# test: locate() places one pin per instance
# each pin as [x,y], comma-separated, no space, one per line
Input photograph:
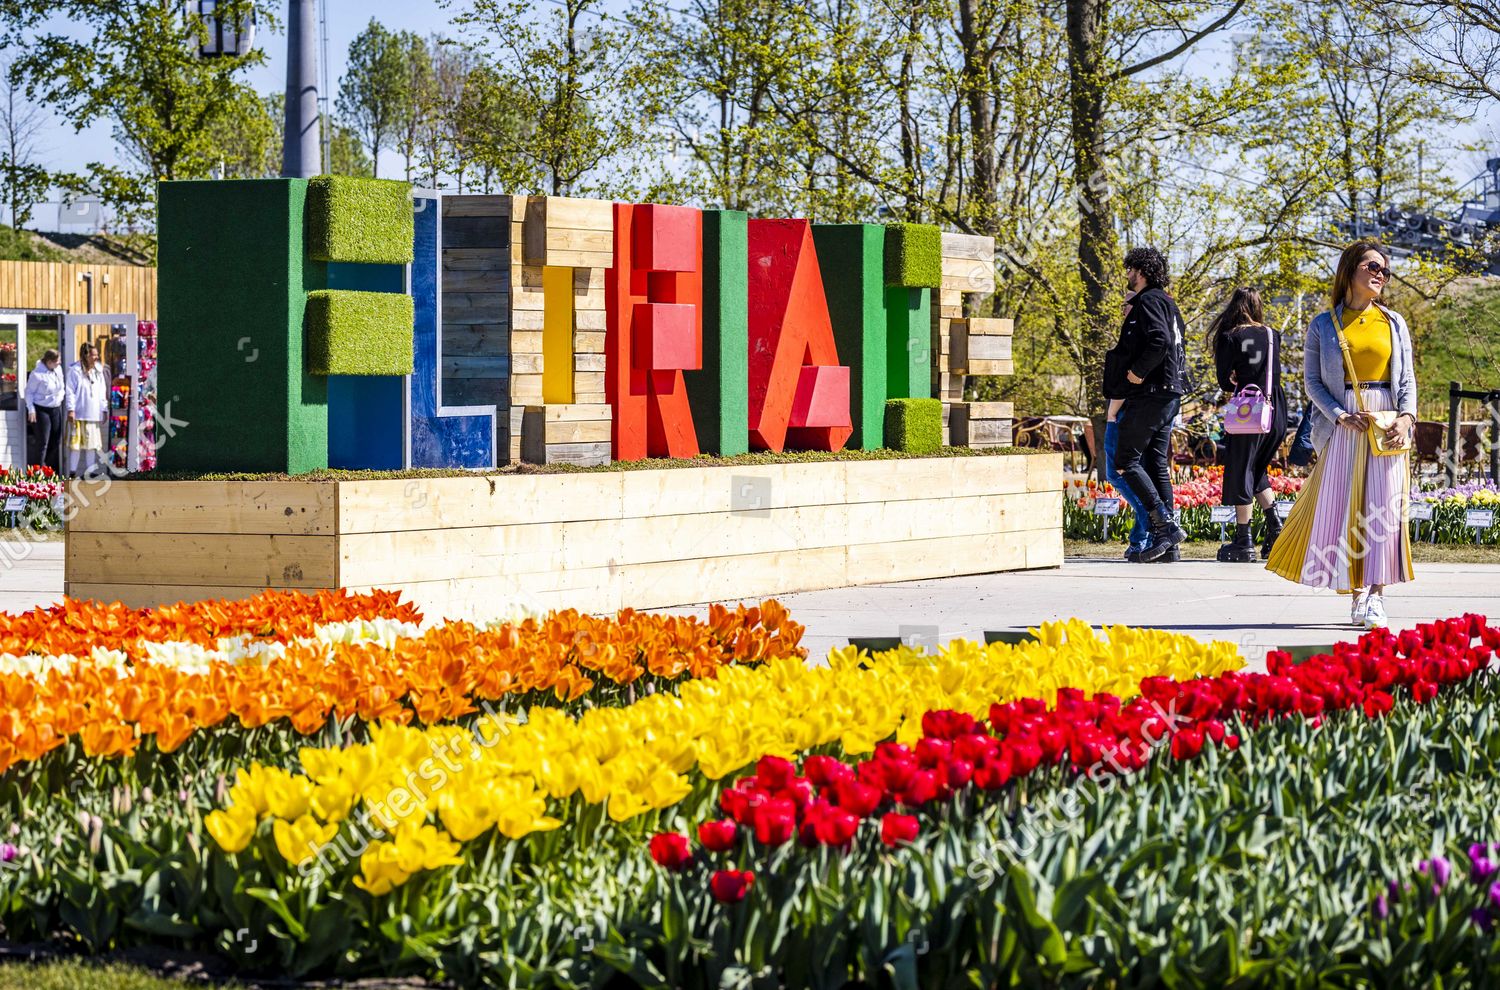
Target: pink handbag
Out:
[1250,411]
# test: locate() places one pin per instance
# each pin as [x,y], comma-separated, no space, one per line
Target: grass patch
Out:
[914,425]
[913,255]
[1463,346]
[753,459]
[72,974]
[18,245]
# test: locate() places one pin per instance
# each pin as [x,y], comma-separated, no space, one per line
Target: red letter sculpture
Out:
[799,393]
[655,329]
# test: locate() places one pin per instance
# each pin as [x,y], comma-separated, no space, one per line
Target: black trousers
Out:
[46,437]
[1143,454]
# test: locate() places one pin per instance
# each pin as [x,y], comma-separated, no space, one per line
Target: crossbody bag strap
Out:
[1359,401]
[1270,349]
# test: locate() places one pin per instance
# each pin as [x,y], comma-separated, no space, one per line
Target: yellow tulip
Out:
[233,828]
[300,841]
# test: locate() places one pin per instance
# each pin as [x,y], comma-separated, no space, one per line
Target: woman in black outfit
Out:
[1244,348]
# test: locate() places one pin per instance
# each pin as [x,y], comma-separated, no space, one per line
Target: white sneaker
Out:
[1358,607]
[1375,613]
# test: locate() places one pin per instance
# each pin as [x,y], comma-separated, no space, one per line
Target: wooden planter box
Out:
[469,547]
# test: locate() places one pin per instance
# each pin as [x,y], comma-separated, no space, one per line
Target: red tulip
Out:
[775,821]
[858,798]
[825,771]
[1187,743]
[992,773]
[731,886]
[671,850]
[898,830]
[836,827]
[718,836]
[1377,703]
[1423,692]
[775,774]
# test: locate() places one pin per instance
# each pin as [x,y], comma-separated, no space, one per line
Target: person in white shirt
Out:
[44,411]
[87,396]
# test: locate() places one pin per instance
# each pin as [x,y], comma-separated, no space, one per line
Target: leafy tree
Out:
[375,91]
[567,67]
[138,68]
[421,101]
[485,125]
[21,121]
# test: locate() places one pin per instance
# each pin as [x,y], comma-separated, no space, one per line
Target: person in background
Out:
[1140,534]
[1148,368]
[87,396]
[1348,528]
[1247,352]
[44,411]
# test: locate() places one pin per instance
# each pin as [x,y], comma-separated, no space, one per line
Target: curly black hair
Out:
[1151,264]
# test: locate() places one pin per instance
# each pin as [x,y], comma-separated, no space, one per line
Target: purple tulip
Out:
[1441,871]
[1394,888]
[1479,850]
[1382,907]
[1481,917]
[1494,894]
[8,852]
[1481,869]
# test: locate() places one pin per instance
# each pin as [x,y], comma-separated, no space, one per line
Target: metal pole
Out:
[300,157]
[1454,388]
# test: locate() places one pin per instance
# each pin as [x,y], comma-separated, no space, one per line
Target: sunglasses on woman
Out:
[1376,268]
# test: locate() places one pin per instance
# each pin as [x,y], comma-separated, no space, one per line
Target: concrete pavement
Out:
[1206,599]
[1241,603]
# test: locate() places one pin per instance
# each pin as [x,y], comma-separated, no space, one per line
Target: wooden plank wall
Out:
[654,539]
[54,285]
[477,249]
[149,543]
[472,546]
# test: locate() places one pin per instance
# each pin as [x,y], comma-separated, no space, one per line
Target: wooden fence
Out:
[41,286]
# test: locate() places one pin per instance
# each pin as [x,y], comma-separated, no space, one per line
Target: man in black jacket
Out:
[1148,367]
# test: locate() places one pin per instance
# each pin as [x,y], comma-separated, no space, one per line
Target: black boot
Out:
[1172,556]
[1242,550]
[1273,530]
[1165,535]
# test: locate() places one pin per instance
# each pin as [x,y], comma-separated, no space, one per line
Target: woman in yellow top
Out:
[1348,530]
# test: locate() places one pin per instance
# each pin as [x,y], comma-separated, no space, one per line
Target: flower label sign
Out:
[1421,511]
[1106,506]
[1477,519]
[1221,514]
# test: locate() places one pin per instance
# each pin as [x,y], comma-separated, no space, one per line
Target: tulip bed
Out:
[1196,494]
[1123,808]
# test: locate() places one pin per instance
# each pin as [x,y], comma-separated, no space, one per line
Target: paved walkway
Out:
[1206,599]
[1240,603]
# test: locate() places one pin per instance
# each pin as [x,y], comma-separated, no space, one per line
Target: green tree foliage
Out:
[569,69]
[375,91]
[136,66]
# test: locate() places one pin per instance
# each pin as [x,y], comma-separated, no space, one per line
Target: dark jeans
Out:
[46,436]
[1143,455]
[1140,531]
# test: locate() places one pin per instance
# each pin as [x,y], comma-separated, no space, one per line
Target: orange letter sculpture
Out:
[655,329]
[799,393]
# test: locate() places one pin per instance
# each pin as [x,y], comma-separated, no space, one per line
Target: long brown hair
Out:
[1243,309]
[1348,268]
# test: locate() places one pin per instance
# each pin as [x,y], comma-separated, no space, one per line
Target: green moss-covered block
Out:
[914,425]
[233,272]
[849,260]
[913,255]
[367,221]
[359,333]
